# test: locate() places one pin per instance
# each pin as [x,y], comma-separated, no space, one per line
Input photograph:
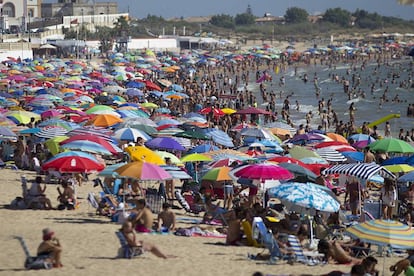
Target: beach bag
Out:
[36,263]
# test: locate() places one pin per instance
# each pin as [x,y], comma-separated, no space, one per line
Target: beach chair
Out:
[265,237]
[248,232]
[126,251]
[304,257]
[188,205]
[34,262]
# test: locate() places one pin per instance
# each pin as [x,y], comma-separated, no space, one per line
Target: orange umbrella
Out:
[105,120]
[337,137]
[218,174]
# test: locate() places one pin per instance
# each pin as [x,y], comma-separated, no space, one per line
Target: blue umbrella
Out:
[409,177]
[354,155]
[109,171]
[219,137]
[135,84]
[134,92]
[86,146]
[395,161]
[176,87]
[130,134]
[203,148]
[33,130]
[73,153]
[6,132]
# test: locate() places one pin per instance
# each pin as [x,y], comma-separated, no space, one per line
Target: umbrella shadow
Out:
[79,220]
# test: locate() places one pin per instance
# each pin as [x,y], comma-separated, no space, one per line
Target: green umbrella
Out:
[53,144]
[148,129]
[195,157]
[301,152]
[191,134]
[218,174]
[98,108]
[391,145]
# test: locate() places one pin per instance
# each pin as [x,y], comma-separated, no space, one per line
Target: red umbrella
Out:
[216,111]
[330,143]
[73,164]
[152,86]
[253,110]
[264,171]
[286,159]
[93,138]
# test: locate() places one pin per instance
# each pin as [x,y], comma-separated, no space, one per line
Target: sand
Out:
[90,245]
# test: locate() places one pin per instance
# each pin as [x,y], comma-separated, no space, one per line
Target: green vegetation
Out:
[243,26]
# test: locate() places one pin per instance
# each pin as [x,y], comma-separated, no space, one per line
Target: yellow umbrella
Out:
[142,153]
[195,157]
[398,168]
[22,116]
[228,111]
[149,105]
[174,159]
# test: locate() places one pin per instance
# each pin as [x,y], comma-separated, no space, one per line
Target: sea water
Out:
[368,108]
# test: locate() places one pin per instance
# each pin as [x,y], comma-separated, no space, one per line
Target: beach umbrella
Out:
[165,143]
[301,197]
[99,108]
[360,137]
[336,137]
[56,122]
[195,157]
[50,113]
[264,171]
[7,133]
[399,168]
[149,105]
[176,172]
[305,198]
[253,110]
[302,174]
[360,170]
[203,148]
[391,145]
[52,131]
[109,171]
[92,130]
[139,121]
[22,117]
[86,146]
[331,155]
[218,174]
[142,171]
[130,134]
[142,153]
[228,111]
[256,132]
[384,233]
[281,125]
[164,154]
[314,160]
[306,138]
[220,137]
[52,144]
[111,147]
[409,177]
[395,160]
[150,130]
[301,152]
[330,144]
[355,156]
[73,163]
[192,134]
[105,120]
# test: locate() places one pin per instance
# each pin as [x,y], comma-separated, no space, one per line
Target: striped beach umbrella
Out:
[360,170]
[331,155]
[50,132]
[384,232]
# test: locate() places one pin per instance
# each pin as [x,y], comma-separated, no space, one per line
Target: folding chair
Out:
[304,257]
[34,262]
[126,251]
[265,236]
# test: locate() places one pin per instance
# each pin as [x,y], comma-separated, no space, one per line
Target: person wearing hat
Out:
[51,247]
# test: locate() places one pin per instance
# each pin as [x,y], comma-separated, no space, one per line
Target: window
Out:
[9,10]
[30,12]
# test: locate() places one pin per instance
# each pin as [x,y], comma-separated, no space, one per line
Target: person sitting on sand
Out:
[66,197]
[142,217]
[128,231]
[334,253]
[406,265]
[37,194]
[50,246]
[166,219]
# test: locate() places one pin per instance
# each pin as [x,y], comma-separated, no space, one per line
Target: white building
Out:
[18,12]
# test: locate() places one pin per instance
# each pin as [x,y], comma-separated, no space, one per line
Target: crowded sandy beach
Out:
[287,160]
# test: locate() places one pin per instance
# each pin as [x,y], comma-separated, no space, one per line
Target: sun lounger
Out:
[127,251]
[34,262]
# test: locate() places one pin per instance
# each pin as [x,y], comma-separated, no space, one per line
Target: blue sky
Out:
[185,8]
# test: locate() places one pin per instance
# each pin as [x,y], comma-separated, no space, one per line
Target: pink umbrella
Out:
[264,171]
[50,113]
